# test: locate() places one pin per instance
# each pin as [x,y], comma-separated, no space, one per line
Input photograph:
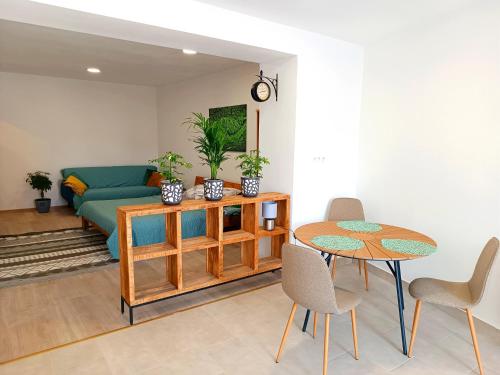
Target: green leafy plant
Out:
[169,164]
[212,140]
[237,129]
[39,181]
[252,164]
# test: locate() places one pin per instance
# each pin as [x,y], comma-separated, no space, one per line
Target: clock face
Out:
[260,91]
[263,91]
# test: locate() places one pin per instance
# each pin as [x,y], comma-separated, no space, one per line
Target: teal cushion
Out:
[109,177]
[120,192]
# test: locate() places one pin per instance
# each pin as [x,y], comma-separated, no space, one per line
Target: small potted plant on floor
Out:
[171,186]
[251,167]
[212,142]
[40,181]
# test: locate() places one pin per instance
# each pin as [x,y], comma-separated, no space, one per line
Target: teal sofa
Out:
[104,183]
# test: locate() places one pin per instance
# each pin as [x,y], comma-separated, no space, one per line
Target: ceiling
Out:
[358,21]
[41,50]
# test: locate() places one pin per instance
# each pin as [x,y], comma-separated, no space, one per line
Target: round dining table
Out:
[368,241]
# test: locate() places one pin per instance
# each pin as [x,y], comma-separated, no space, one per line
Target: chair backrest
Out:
[346,209]
[477,283]
[306,279]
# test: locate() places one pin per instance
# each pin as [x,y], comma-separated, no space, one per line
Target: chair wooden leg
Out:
[416,319]
[315,325]
[285,334]
[474,340]
[359,266]
[334,266]
[366,274]
[354,333]
[325,347]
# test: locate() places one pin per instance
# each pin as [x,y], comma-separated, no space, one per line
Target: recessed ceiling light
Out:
[93,70]
[189,51]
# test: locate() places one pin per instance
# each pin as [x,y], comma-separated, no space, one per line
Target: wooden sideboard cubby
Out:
[174,247]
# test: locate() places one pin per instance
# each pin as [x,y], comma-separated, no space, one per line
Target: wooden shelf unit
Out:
[213,242]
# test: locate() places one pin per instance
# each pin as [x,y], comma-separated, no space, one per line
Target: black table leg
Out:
[122,304]
[399,290]
[396,278]
[308,312]
[131,315]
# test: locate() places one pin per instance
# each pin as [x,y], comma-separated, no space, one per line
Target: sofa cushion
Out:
[121,192]
[109,177]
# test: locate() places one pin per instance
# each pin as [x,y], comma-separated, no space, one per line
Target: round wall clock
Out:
[260,91]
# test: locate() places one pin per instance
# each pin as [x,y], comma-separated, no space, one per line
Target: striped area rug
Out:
[41,254]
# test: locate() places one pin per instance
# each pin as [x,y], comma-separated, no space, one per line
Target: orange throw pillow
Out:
[154,179]
[78,186]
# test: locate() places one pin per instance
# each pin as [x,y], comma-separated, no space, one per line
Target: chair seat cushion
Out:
[441,292]
[346,300]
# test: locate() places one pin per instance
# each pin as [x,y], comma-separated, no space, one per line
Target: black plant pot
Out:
[171,193]
[213,189]
[42,205]
[250,186]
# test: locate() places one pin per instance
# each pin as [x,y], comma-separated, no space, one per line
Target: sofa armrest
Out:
[68,194]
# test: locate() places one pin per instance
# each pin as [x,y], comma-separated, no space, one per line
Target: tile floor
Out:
[240,335]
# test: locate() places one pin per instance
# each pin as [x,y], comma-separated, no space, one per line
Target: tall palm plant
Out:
[212,140]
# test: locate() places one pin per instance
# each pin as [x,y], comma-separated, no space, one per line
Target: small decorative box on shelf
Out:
[213,242]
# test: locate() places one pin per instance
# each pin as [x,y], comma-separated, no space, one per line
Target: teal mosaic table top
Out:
[338,243]
[409,247]
[359,226]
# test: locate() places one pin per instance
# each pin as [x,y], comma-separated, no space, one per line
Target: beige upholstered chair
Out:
[462,295]
[347,209]
[307,281]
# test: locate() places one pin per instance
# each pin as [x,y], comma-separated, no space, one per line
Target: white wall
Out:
[50,123]
[178,101]
[326,142]
[277,129]
[430,141]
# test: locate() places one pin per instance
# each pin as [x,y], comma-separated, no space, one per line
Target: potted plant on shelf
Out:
[212,142]
[40,181]
[251,167]
[171,186]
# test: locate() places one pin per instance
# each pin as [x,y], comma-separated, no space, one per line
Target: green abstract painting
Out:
[238,131]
